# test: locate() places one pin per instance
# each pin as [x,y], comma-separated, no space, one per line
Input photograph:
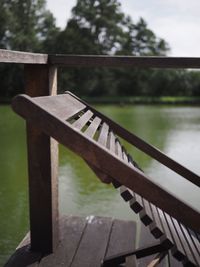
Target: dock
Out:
[84,241]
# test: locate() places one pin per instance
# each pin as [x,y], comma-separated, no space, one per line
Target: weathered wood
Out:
[23,256]
[92,128]
[124,61]
[117,242]
[82,121]
[42,166]
[95,153]
[64,106]
[146,147]
[71,231]
[146,239]
[7,56]
[103,135]
[84,242]
[93,245]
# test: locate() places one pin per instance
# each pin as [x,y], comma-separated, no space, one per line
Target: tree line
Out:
[95,27]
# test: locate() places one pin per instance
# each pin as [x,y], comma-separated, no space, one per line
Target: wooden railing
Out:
[40,74]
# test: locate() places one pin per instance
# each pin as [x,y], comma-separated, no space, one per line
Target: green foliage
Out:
[95,27]
[25,25]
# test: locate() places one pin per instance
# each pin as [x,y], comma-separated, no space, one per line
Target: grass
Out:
[144,100]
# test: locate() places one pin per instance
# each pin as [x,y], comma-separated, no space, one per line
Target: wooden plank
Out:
[83,120]
[167,238]
[23,256]
[103,136]
[178,250]
[124,61]
[71,231]
[147,148]
[111,165]
[191,247]
[112,140]
[93,245]
[182,240]
[156,227]
[122,237]
[146,239]
[8,56]
[42,167]
[119,149]
[194,240]
[92,128]
[64,106]
[146,214]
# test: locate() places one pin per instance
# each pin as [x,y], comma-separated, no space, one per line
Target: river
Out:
[174,130]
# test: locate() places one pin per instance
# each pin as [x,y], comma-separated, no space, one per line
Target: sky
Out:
[177,21]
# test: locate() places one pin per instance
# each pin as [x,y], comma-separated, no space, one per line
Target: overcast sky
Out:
[177,21]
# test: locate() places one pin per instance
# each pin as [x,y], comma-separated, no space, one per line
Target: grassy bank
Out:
[167,100]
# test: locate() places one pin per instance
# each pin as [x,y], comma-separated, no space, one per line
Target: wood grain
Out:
[124,61]
[7,56]
[42,166]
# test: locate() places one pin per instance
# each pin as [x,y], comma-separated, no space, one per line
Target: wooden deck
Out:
[83,242]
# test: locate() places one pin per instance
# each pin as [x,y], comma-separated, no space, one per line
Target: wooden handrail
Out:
[124,61]
[7,56]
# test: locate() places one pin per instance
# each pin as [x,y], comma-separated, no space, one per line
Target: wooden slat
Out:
[92,128]
[119,149]
[96,242]
[103,136]
[194,240]
[112,140]
[122,237]
[147,148]
[191,246]
[82,121]
[124,61]
[7,56]
[72,229]
[146,239]
[146,214]
[63,106]
[183,241]
[168,240]
[156,228]
[178,249]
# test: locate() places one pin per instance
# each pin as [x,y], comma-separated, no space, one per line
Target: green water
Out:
[174,130]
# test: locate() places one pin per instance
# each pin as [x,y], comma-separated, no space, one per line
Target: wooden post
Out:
[41,80]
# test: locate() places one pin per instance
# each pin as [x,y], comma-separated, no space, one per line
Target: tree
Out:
[100,27]
[25,25]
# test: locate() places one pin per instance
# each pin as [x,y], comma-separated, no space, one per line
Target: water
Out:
[174,130]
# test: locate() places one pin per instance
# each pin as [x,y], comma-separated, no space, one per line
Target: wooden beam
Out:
[42,165]
[7,56]
[124,61]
